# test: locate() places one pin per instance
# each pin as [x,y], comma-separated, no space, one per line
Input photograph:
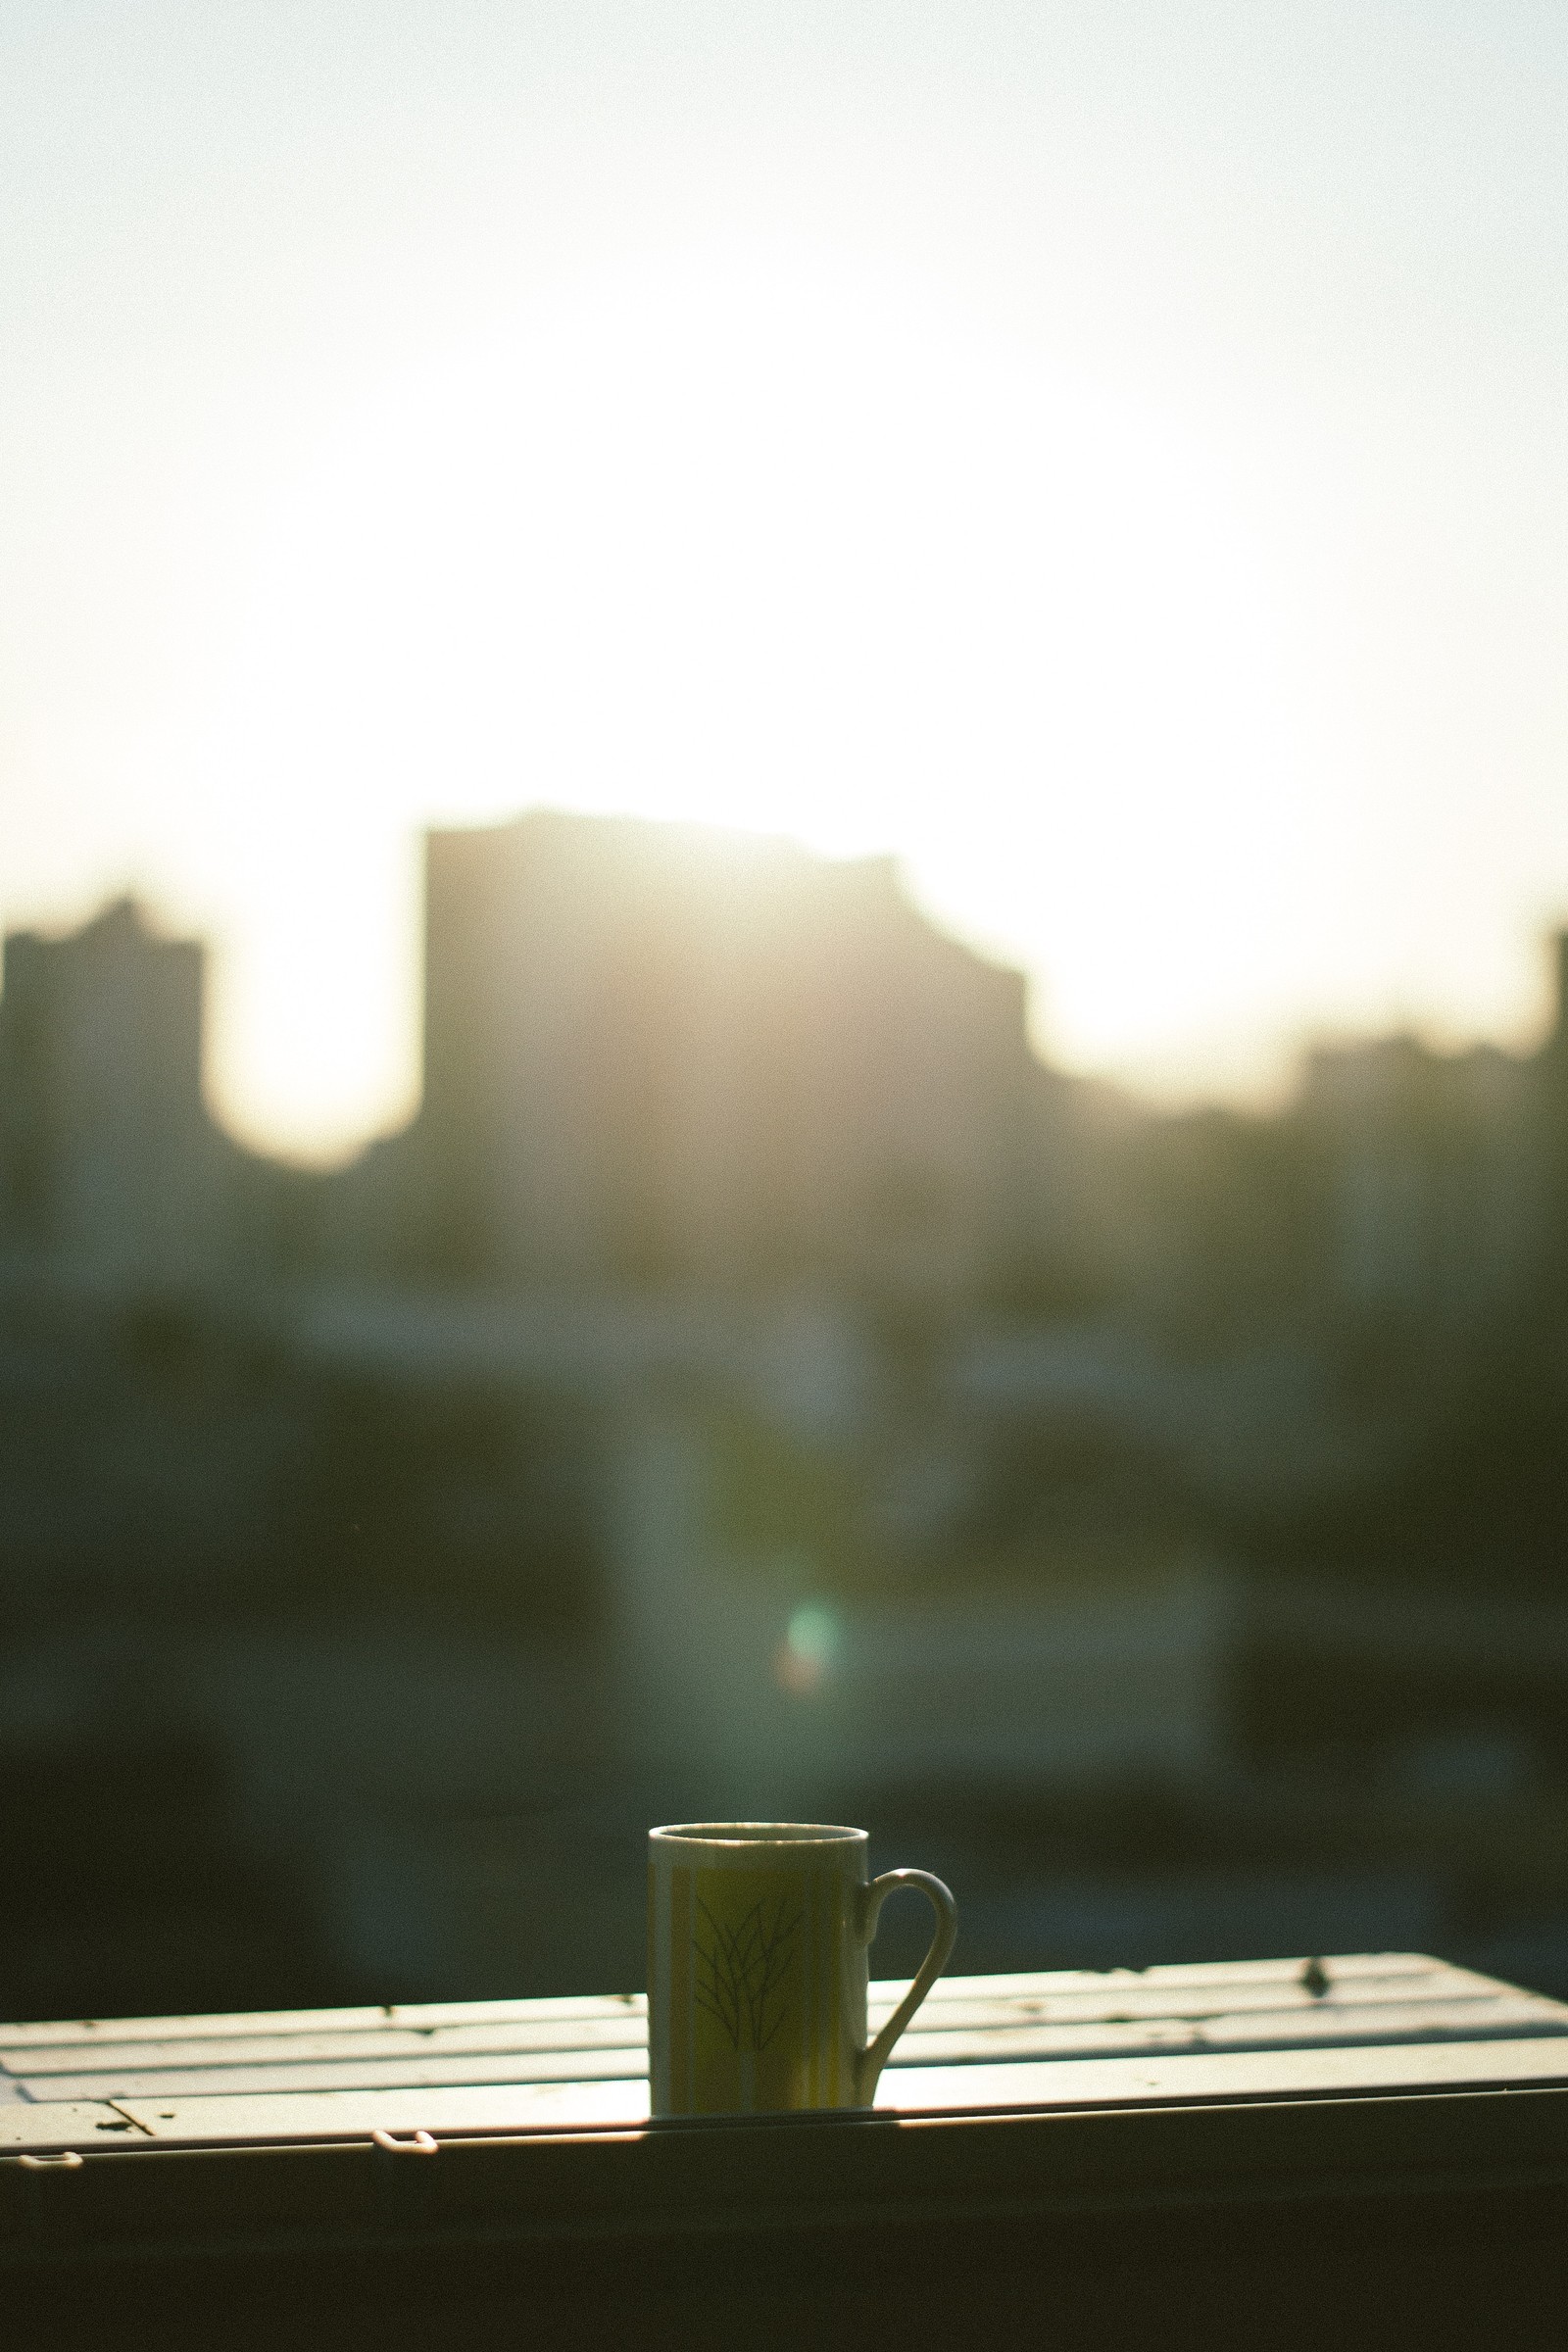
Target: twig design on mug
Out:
[740,1970]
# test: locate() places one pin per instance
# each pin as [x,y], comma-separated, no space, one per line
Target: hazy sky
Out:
[1111,452]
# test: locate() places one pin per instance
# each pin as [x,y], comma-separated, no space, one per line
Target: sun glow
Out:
[744,547]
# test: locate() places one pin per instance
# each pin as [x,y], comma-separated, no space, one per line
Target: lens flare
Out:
[809,1650]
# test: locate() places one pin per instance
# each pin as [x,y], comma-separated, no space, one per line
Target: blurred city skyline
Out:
[712,851]
[1110,463]
[757,1385]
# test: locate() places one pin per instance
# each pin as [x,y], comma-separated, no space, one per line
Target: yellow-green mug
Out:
[759,1940]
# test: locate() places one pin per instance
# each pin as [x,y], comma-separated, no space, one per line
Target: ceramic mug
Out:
[758,1941]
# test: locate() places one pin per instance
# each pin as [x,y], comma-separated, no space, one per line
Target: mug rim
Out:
[742,1836]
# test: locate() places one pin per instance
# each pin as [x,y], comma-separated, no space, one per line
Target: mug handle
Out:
[876,2056]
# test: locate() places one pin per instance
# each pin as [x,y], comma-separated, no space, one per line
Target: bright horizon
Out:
[1116,471]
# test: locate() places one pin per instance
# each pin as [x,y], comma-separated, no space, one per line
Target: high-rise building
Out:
[108,1157]
[1551,1111]
[655,1052]
[1434,1179]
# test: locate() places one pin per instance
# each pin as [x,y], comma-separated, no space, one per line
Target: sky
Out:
[1108,453]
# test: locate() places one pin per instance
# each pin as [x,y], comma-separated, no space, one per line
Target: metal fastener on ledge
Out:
[65,2162]
[420,2145]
